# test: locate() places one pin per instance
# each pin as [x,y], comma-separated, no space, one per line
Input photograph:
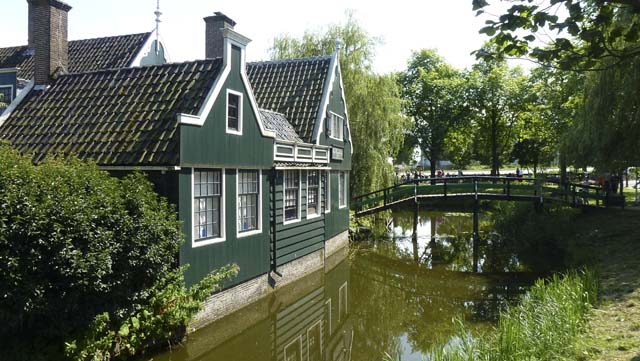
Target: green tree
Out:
[498,97]
[377,125]
[591,31]
[434,97]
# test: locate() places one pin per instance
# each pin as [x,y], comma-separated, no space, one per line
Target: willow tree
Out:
[434,97]
[373,102]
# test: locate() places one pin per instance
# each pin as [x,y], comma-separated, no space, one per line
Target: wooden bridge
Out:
[476,188]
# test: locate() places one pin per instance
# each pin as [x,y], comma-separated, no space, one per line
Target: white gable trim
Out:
[204,111]
[334,68]
[14,104]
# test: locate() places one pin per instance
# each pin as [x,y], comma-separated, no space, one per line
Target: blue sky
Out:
[450,26]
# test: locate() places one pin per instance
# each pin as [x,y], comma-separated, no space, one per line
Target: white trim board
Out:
[14,104]
[334,68]
[214,92]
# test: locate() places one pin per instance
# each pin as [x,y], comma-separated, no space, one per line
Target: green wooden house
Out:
[256,156]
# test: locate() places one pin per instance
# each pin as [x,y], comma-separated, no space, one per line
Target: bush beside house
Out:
[80,248]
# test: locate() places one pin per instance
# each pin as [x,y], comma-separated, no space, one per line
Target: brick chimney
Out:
[48,21]
[215,26]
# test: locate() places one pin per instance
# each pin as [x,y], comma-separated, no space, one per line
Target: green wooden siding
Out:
[297,239]
[211,145]
[337,106]
[337,220]
[250,253]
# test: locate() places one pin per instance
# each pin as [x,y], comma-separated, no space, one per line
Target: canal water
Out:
[399,294]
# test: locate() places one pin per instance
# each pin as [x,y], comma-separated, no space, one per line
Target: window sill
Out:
[206,242]
[338,139]
[342,207]
[234,132]
[312,216]
[248,233]
[291,221]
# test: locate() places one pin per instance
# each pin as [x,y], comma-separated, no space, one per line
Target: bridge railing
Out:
[504,187]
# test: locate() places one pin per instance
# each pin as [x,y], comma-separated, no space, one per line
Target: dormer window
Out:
[336,126]
[234,112]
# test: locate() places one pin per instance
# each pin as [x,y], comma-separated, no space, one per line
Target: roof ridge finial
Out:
[158,13]
[339,44]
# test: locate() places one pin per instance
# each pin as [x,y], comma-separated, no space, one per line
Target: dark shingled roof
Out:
[119,117]
[292,87]
[84,55]
[277,123]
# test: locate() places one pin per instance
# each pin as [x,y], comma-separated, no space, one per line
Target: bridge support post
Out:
[414,236]
[476,236]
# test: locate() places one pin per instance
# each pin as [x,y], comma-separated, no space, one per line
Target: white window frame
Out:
[240,115]
[318,199]
[327,203]
[195,243]
[342,187]
[284,197]
[333,117]
[259,209]
[342,304]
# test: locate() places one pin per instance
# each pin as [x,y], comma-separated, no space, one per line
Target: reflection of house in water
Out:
[306,320]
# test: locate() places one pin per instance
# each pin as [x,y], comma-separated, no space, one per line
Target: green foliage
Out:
[591,31]
[544,325]
[373,103]
[76,243]
[163,320]
[434,95]
[498,95]
[606,132]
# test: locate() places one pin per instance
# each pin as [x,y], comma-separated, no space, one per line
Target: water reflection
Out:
[396,295]
[309,320]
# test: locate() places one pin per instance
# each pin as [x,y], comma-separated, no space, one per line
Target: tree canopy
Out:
[568,34]
[435,98]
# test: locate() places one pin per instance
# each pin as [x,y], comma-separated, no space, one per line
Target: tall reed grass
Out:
[544,325]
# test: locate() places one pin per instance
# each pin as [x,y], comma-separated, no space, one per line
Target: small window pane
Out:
[313,192]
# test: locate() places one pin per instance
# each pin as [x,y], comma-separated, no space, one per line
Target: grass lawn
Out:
[613,236]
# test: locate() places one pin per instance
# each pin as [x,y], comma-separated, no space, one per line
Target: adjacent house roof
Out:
[292,87]
[122,117]
[279,124]
[84,55]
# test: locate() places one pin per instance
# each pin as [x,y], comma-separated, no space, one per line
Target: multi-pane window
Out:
[291,194]
[337,126]
[207,194]
[342,189]
[326,191]
[233,112]
[248,193]
[313,192]
[6,93]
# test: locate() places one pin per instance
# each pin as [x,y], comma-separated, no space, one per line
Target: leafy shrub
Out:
[76,243]
[163,320]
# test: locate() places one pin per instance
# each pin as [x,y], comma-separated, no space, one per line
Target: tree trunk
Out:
[563,168]
[494,146]
[432,166]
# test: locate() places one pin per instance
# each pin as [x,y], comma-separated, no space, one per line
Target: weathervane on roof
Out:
[158,21]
